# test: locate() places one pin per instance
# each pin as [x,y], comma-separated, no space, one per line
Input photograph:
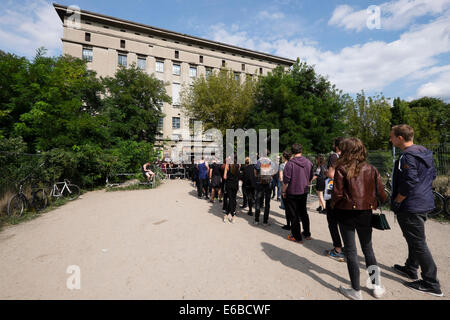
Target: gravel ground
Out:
[168,244]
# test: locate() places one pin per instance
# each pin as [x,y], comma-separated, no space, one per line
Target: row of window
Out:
[159,65]
[87,38]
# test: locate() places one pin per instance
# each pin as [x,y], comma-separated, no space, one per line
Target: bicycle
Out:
[19,202]
[65,190]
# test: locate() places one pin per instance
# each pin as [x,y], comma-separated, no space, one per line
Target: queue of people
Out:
[357,193]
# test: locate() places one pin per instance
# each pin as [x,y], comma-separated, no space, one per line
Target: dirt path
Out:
[167,244]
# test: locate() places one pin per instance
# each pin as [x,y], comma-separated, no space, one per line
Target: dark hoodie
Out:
[413,177]
[298,173]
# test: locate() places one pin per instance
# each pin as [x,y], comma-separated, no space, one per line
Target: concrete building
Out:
[175,58]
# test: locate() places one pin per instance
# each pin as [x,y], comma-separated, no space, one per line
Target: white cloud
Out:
[395,15]
[437,88]
[372,66]
[27,26]
[265,15]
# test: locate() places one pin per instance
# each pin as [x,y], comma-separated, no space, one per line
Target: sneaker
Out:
[225,219]
[420,286]
[351,293]
[286,227]
[291,238]
[333,254]
[307,238]
[319,209]
[378,291]
[232,220]
[265,224]
[256,223]
[403,270]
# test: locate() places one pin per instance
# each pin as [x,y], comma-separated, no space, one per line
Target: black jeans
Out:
[359,220]
[232,191]
[413,228]
[263,192]
[296,211]
[249,197]
[333,226]
[202,184]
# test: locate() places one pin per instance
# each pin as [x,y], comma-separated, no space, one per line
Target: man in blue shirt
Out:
[412,200]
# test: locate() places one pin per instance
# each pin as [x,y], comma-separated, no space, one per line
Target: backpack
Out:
[265,171]
[328,189]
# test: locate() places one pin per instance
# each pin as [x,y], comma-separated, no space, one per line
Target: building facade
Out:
[176,59]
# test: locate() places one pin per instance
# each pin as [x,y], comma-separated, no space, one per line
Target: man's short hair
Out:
[403,130]
[336,142]
[296,148]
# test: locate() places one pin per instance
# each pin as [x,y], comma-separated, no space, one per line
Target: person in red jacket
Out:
[356,184]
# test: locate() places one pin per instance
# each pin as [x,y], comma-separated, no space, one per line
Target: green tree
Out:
[219,101]
[399,112]
[133,104]
[55,101]
[302,104]
[369,119]
[429,118]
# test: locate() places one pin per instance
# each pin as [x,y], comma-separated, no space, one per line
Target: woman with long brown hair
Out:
[356,184]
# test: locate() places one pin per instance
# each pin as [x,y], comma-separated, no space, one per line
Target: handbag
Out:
[379,220]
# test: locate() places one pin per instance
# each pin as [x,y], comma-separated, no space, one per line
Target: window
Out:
[177,55]
[176,94]
[122,59]
[201,59]
[208,72]
[160,124]
[260,70]
[175,123]
[176,69]
[87,54]
[237,76]
[223,63]
[87,37]
[243,67]
[159,66]
[193,72]
[142,63]
[122,43]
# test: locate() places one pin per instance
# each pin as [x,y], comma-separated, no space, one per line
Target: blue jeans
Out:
[413,228]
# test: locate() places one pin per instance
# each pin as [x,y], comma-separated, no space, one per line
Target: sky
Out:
[398,48]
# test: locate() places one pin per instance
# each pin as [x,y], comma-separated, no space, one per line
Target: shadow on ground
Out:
[318,246]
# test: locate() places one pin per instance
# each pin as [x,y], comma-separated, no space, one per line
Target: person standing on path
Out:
[215,178]
[337,252]
[264,171]
[248,185]
[286,157]
[202,187]
[319,176]
[356,185]
[297,176]
[231,177]
[412,200]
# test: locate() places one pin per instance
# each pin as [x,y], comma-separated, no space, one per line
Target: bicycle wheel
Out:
[71,192]
[438,203]
[40,200]
[16,206]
